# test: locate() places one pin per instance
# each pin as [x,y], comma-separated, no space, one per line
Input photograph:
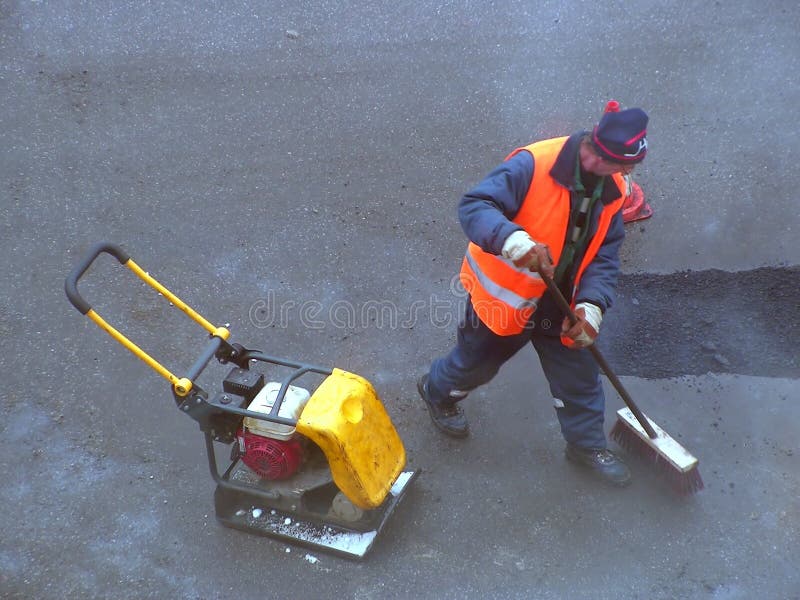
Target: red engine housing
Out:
[269,457]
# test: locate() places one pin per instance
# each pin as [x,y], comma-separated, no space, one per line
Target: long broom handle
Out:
[601,361]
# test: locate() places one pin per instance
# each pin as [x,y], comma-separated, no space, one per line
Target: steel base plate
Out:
[252,513]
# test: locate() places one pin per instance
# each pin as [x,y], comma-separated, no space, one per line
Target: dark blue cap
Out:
[620,137]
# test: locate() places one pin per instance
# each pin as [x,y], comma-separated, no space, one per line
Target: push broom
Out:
[635,432]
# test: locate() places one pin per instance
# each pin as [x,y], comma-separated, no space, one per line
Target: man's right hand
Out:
[525,253]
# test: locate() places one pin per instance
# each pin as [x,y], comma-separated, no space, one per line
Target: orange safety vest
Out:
[504,297]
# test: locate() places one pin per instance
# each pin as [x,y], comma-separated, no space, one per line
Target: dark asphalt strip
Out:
[695,322]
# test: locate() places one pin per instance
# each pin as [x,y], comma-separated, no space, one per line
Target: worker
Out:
[553,206]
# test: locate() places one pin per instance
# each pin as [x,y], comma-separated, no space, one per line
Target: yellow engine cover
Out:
[347,420]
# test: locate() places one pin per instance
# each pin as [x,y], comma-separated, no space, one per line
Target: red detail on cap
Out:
[637,137]
[612,106]
[614,155]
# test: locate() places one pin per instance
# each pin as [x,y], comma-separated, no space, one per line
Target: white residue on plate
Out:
[349,542]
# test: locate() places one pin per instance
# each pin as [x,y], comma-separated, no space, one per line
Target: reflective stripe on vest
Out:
[503,296]
[510,297]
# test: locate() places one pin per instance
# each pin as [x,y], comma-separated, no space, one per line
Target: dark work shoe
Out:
[448,418]
[604,463]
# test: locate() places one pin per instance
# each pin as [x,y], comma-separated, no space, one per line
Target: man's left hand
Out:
[584,332]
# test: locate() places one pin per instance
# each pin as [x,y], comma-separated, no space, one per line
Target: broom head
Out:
[668,455]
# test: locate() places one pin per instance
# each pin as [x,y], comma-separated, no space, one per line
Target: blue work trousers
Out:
[573,375]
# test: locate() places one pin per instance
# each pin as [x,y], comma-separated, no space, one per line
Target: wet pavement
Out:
[294,171]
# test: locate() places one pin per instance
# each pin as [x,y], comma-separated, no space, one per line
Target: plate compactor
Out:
[321,468]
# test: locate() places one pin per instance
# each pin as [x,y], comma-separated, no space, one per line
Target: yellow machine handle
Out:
[181,385]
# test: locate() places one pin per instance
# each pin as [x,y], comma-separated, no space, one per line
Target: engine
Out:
[271,458]
[273,450]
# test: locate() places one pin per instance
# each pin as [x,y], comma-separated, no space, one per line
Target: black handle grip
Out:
[71,283]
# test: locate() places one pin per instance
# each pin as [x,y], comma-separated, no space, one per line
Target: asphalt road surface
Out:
[287,168]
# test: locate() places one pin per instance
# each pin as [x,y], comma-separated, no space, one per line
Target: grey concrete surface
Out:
[314,153]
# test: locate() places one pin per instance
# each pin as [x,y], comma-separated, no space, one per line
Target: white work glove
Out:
[525,253]
[585,330]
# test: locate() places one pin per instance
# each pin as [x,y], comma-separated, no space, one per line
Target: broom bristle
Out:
[683,482]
